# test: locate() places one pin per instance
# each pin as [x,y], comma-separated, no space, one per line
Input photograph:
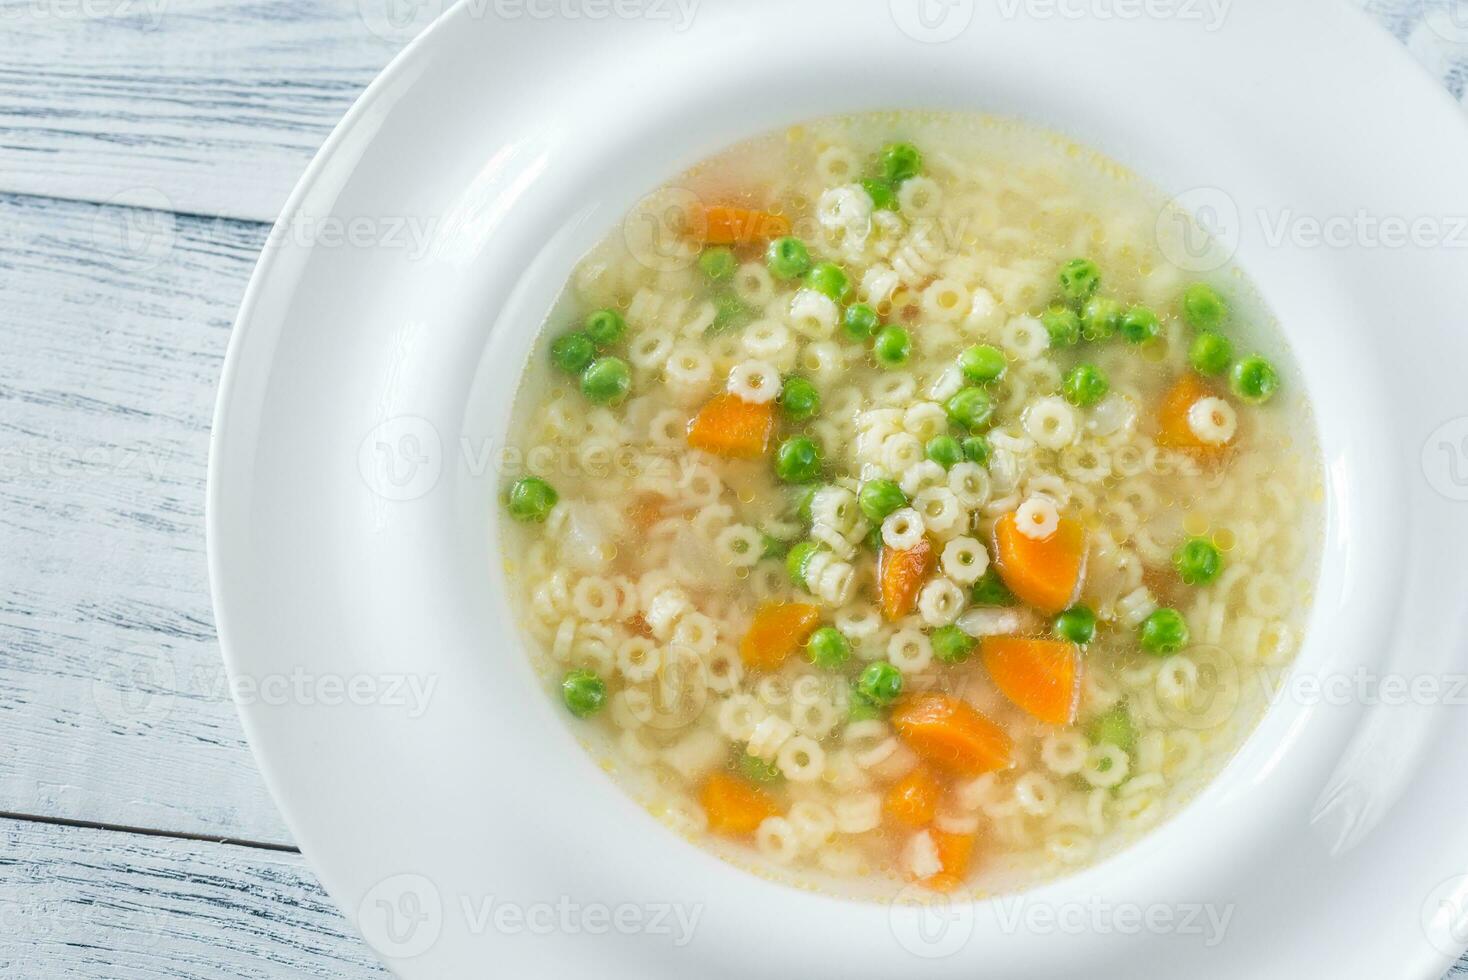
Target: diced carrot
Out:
[956,854]
[735,806]
[730,426]
[645,511]
[1038,675]
[778,630]
[1046,573]
[901,574]
[1173,430]
[729,225]
[949,733]
[913,800]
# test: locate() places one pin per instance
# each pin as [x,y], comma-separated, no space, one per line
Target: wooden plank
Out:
[89,904]
[207,107]
[112,692]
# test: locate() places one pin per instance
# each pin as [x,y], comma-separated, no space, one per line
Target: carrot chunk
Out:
[913,800]
[1037,675]
[735,807]
[730,426]
[728,225]
[1046,574]
[1173,430]
[956,854]
[949,733]
[778,630]
[645,511]
[901,574]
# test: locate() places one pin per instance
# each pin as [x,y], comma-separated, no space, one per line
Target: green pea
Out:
[862,708]
[787,258]
[803,502]
[730,313]
[945,451]
[828,649]
[880,498]
[572,352]
[1254,380]
[583,692]
[1063,325]
[1114,728]
[1079,280]
[880,190]
[951,644]
[1211,353]
[718,263]
[970,408]
[880,682]
[860,322]
[983,364]
[892,346]
[530,499]
[829,278]
[797,559]
[1100,318]
[977,449]
[1085,385]
[798,460]
[990,590]
[1164,632]
[1140,325]
[901,161]
[605,328]
[1077,624]
[1198,561]
[606,380]
[1203,308]
[757,770]
[799,398]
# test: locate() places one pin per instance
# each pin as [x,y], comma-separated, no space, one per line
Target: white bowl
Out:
[351,527]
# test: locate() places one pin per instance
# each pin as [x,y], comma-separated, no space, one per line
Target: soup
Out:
[898,510]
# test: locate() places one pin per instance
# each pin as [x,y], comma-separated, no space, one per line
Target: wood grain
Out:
[87,904]
[202,107]
[112,691]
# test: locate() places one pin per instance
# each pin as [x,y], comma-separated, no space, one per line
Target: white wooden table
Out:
[145,145]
